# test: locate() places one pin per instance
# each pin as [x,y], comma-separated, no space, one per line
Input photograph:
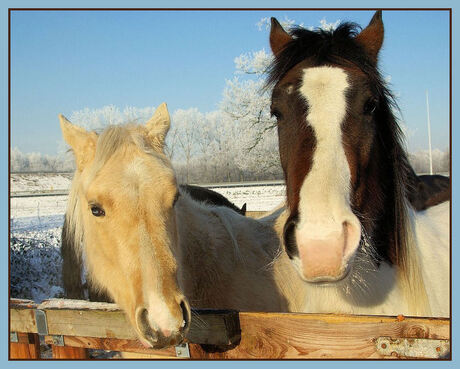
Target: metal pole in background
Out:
[429,132]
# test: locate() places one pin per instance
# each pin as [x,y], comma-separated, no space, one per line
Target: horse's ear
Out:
[83,143]
[278,37]
[371,37]
[243,209]
[158,126]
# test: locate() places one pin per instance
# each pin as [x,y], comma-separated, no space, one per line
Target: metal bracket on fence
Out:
[422,348]
[42,324]
[182,350]
[14,337]
[58,340]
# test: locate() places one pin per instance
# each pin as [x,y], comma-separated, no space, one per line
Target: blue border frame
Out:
[350,4]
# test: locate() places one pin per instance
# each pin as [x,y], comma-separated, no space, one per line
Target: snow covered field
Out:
[27,182]
[257,198]
[38,207]
[36,224]
[35,236]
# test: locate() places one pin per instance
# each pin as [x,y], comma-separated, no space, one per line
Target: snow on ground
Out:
[35,257]
[40,182]
[37,206]
[35,235]
[257,198]
[36,224]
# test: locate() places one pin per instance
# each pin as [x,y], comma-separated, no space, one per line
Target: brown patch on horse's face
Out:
[358,133]
[132,249]
[295,138]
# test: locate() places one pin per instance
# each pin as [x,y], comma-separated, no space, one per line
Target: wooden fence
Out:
[72,327]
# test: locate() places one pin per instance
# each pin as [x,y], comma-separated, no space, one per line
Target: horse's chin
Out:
[158,341]
[329,281]
[325,280]
[161,343]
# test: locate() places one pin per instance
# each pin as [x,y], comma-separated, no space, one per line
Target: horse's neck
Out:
[231,261]
[410,279]
[422,280]
[431,231]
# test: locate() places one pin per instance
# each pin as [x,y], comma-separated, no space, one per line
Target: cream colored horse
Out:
[154,249]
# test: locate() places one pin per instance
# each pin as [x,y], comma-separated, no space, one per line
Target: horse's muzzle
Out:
[155,336]
[326,259]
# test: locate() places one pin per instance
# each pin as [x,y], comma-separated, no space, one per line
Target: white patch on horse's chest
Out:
[324,195]
[432,229]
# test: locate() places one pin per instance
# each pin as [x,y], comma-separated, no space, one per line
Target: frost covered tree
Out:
[247,103]
[38,162]
[420,161]
[186,126]
[204,145]
[19,161]
[98,119]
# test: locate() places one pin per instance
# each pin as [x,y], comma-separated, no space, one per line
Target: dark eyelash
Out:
[370,106]
[276,113]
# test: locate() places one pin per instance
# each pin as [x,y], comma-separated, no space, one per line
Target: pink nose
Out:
[322,258]
[166,332]
[327,258]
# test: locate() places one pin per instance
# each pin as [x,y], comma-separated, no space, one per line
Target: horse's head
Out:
[122,207]
[327,98]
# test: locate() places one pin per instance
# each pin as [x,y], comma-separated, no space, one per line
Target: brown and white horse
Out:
[154,249]
[349,229]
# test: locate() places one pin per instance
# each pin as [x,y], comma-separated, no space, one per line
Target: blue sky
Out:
[66,61]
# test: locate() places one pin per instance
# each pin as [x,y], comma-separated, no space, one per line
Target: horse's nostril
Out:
[186,315]
[144,326]
[289,238]
[352,237]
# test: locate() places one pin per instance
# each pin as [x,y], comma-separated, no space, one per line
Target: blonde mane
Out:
[73,216]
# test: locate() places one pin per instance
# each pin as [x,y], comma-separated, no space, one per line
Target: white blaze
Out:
[324,195]
[160,316]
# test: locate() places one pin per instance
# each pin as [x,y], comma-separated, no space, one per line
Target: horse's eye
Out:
[370,106]
[97,211]
[276,113]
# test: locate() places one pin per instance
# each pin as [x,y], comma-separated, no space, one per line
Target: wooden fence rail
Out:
[73,326]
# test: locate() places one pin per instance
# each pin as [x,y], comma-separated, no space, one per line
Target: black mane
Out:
[321,46]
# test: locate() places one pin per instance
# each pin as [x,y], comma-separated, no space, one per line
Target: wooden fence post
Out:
[72,327]
[27,347]
[69,352]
